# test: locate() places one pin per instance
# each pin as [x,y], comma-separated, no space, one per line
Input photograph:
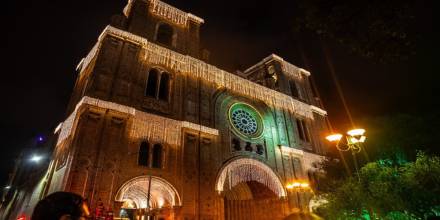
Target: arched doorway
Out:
[251,190]
[147,198]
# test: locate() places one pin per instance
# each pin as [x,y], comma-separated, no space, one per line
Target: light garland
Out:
[184,64]
[167,11]
[288,68]
[153,127]
[247,169]
[136,190]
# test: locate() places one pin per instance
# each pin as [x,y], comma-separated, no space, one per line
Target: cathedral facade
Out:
[155,132]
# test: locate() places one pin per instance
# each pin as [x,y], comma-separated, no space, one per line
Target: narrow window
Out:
[294,89]
[152,83]
[303,131]
[157,156]
[143,154]
[164,86]
[306,131]
[165,34]
[300,129]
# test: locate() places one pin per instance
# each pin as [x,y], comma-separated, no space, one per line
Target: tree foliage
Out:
[383,30]
[399,136]
[387,190]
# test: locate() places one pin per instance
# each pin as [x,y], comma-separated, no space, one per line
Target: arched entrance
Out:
[251,190]
[147,198]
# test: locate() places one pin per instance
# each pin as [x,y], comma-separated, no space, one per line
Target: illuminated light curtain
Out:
[245,170]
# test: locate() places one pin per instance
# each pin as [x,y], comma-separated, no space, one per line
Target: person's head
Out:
[61,206]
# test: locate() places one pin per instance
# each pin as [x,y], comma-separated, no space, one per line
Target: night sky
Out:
[46,39]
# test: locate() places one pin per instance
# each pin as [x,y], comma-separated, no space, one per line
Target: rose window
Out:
[245,120]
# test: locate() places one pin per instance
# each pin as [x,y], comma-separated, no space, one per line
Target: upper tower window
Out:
[144,152]
[153,76]
[158,85]
[164,34]
[164,86]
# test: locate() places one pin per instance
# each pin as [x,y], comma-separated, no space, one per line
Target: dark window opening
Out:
[165,34]
[236,144]
[157,156]
[248,147]
[294,89]
[153,75]
[144,151]
[260,149]
[300,129]
[303,131]
[164,86]
[306,131]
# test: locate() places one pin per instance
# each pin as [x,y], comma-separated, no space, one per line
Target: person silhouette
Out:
[61,206]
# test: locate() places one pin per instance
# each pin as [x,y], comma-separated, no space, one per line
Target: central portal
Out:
[251,190]
[147,198]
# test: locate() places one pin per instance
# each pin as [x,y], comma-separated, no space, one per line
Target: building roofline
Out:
[279,59]
[187,16]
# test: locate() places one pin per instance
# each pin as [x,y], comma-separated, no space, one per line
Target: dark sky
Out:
[45,40]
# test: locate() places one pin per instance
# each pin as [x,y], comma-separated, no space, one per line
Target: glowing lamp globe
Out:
[334,137]
[356,132]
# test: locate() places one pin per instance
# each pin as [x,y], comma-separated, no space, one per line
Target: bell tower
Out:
[165,25]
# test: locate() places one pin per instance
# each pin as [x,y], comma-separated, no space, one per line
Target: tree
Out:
[399,136]
[383,30]
[388,190]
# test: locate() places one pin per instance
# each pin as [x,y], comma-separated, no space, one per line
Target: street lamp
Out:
[36,158]
[353,141]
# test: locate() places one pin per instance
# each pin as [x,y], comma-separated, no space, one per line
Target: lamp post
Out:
[353,141]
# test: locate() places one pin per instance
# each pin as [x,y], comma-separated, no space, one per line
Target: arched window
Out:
[164,34]
[151,89]
[157,156]
[144,153]
[164,86]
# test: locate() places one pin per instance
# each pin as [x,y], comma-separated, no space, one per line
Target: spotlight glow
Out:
[36,158]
